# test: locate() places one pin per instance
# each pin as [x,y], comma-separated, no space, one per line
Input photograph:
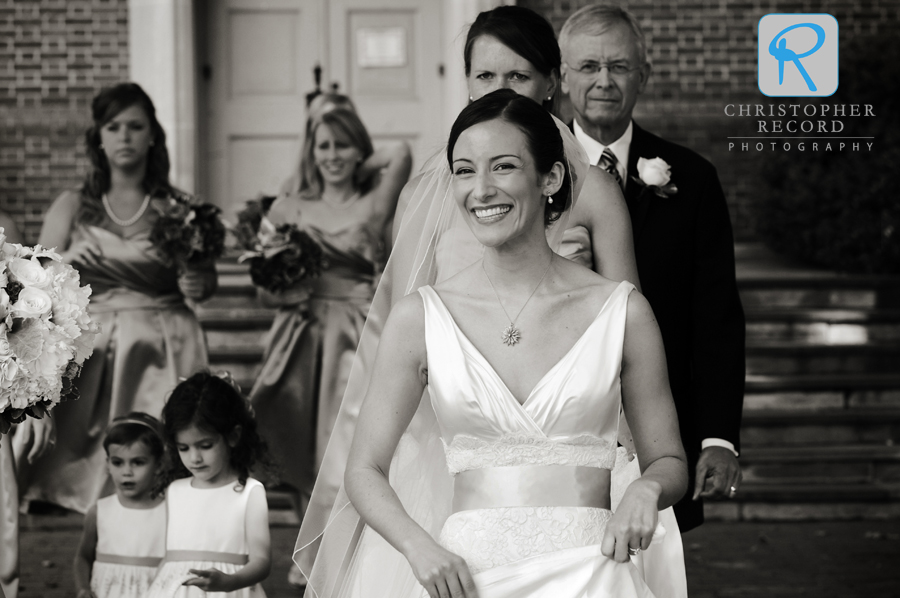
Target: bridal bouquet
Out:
[282,256]
[187,232]
[46,332]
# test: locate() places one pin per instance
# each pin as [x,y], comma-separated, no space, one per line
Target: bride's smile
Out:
[492,213]
[496,183]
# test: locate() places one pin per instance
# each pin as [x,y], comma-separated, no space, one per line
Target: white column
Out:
[458,16]
[162,60]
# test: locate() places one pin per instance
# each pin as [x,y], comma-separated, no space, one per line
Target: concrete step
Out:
[823,326]
[243,318]
[826,427]
[758,383]
[847,464]
[798,502]
[802,358]
[217,338]
[243,362]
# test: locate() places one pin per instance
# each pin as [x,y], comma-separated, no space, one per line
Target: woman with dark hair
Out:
[527,359]
[508,47]
[149,337]
[312,341]
[511,47]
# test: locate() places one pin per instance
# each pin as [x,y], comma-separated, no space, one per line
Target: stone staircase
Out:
[821,427]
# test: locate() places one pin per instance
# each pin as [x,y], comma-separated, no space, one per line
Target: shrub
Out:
[841,209]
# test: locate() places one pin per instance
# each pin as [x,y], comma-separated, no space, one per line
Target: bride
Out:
[527,358]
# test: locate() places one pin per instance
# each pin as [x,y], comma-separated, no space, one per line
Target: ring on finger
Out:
[633,551]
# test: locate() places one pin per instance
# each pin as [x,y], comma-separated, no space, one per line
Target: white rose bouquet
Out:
[46,332]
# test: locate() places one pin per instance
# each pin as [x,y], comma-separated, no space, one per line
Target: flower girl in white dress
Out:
[124,536]
[217,536]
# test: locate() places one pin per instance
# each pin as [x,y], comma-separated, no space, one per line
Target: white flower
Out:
[9,370]
[4,304]
[5,347]
[29,272]
[49,252]
[655,172]
[32,303]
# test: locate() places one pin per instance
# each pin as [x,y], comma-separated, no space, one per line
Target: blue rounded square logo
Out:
[797,55]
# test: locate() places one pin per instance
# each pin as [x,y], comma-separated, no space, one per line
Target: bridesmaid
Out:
[345,201]
[149,337]
[322,103]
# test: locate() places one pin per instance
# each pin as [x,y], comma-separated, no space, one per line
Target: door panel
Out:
[387,54]
[261,54]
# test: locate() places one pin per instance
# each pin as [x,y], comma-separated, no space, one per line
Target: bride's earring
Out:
[550,199]
[471,99]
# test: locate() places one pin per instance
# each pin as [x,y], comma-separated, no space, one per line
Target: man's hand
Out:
[718,471]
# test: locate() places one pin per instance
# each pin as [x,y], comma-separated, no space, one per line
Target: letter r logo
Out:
[797,55]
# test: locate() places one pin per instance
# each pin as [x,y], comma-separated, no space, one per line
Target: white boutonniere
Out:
[655,175]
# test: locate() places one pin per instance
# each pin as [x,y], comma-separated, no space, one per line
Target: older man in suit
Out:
[683,244]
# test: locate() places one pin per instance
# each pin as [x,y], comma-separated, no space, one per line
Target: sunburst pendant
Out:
[511,335]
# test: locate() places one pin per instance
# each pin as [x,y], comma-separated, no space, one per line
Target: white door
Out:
[386,55]
[260,56]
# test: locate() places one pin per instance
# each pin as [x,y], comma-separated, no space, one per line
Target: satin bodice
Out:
[569,418]
[352,257]
[108,261]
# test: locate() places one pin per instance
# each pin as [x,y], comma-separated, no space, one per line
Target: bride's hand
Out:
[633,523]
[442,573]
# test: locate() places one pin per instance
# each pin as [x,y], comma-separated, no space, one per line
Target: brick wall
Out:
[704,57]
[54,57]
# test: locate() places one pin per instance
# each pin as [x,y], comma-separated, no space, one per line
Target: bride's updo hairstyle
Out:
[526,33]
[540,130]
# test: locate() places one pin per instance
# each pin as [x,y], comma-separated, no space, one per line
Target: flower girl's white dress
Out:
[206,530]
[130,545]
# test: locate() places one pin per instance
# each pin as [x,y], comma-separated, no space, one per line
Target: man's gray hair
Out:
[594,19]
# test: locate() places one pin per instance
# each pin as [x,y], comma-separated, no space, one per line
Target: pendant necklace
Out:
[512,335]
[127,221]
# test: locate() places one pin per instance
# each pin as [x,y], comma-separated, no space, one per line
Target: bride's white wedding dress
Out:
[527,517]
[351,560]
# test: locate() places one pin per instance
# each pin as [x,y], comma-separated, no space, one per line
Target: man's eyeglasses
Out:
[616,69]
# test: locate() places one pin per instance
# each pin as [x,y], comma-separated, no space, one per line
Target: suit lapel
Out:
[637,197]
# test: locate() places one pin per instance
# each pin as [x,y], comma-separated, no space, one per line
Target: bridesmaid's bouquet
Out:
[282,256]
[249,219]
[46,332]
[188,233]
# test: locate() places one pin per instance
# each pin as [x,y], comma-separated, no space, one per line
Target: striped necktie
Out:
[608,163]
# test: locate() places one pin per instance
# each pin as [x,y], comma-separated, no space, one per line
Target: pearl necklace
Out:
[127,221]
[512,335]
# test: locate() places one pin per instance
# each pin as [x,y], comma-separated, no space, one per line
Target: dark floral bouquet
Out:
[249,219]
[283,255]
[186,232]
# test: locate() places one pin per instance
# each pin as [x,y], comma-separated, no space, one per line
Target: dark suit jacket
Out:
[685,257]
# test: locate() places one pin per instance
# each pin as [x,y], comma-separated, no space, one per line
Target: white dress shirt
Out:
[620,147]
